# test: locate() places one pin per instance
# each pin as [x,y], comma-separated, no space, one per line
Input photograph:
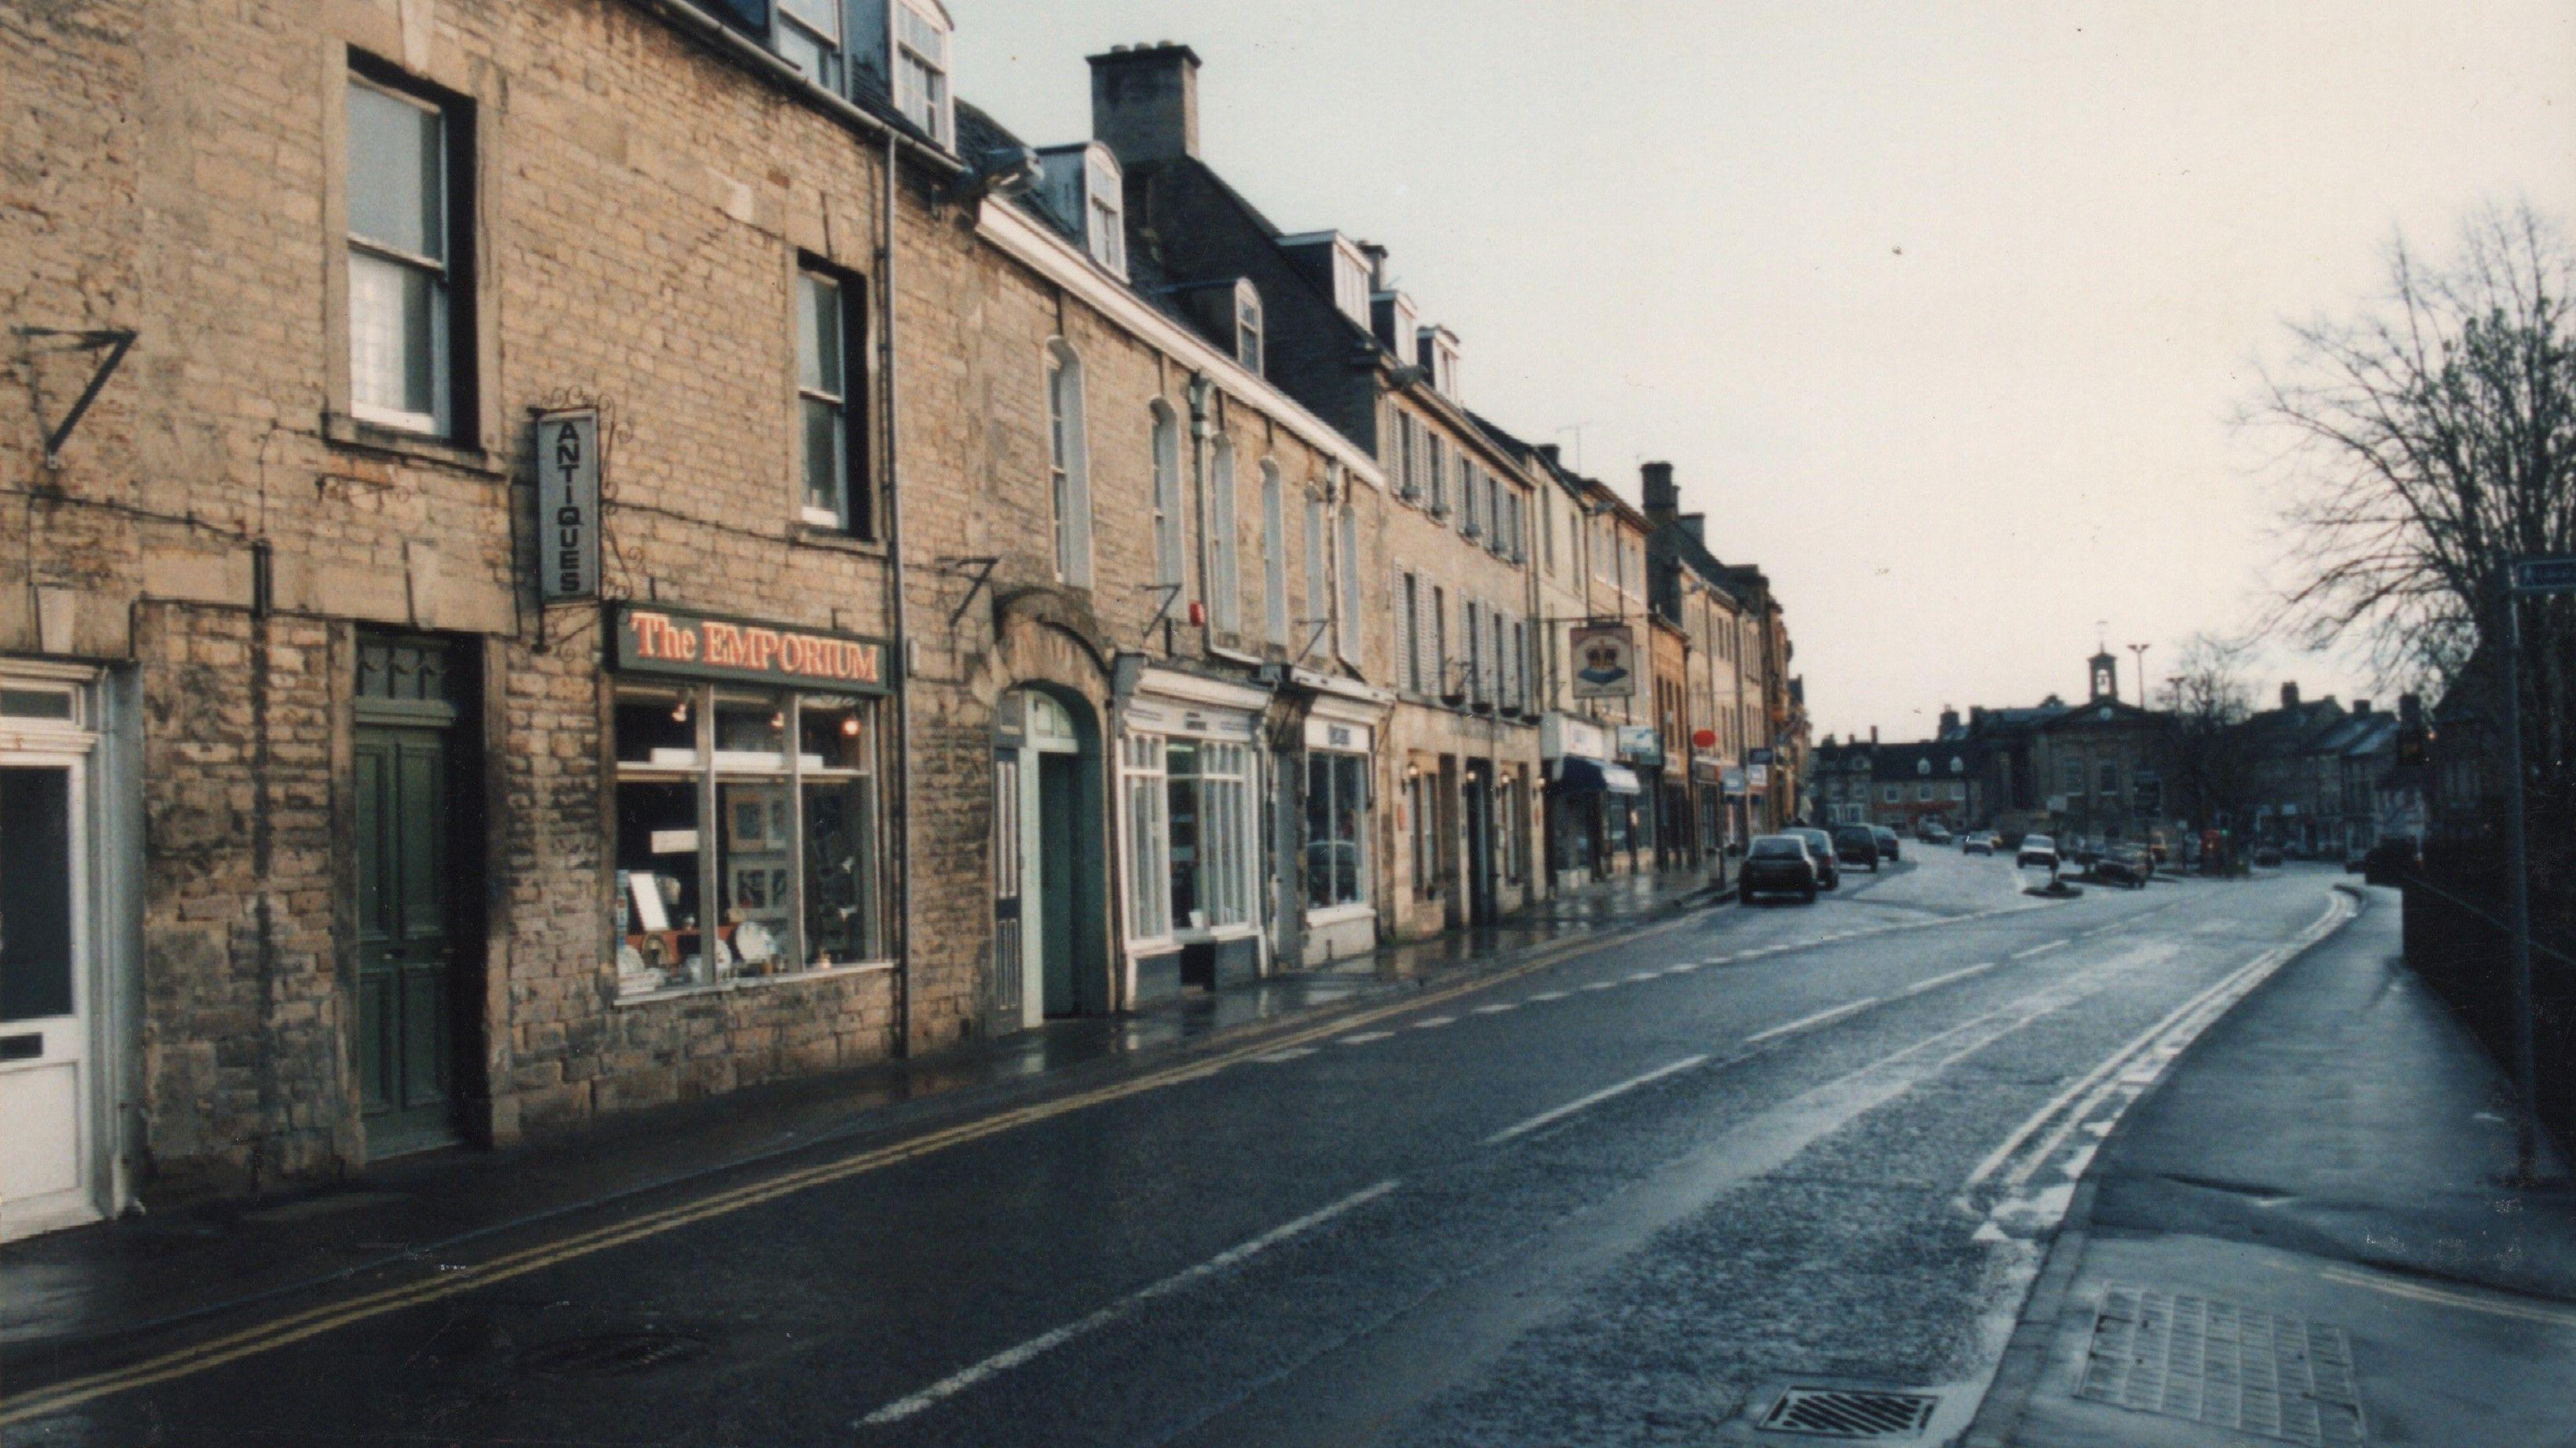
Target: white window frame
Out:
[1069,463]
[1274,554]
[365,252]
[1319,596]
[1225,589]
[926,98]
[1347,620]
[844,514]
[1170,557]
[1249,331]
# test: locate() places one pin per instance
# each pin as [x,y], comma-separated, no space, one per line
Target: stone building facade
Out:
[625,549]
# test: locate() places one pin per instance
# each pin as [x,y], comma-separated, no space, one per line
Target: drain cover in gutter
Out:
[2206,1361]
[1851,1415]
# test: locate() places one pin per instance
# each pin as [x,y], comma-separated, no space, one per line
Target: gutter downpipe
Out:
[902,795]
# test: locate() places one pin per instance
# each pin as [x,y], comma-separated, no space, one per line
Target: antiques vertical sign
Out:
[568,504]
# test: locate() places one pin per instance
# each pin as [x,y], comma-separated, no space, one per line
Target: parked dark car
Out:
[1777,865]
[2268,856]
[2124,865]
[1856,845]
[1888,844]
[1934,834]
[1820,848]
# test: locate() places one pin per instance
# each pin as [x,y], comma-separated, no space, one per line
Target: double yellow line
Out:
[313,1322]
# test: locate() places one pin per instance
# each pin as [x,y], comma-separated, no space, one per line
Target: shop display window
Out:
[1337,805]
[711,806]
[1189,834]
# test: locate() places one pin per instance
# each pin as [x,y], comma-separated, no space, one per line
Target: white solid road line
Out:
[1810,1022]
[1545,1118]
[1002,1362]
[1936,982]
[2039,949]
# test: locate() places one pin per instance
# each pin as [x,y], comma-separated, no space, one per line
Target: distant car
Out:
[2037,852]
[2389,861]
[1934,834]
[2268,856]
[1888,844]
[1979,842]
[1856,845]
[1820,848]
[2125,865]
[1778,865]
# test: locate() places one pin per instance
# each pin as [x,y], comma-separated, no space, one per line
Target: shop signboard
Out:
[1757,776]
[1758,756]
[1640,744]
[1562,735]
[1605,661]
[1733,783]
[568,504]
[651,639]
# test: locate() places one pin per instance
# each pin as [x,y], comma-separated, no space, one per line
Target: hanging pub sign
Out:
[1605,661]
[568,504]
[650,639]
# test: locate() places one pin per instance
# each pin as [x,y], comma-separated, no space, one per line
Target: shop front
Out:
[1191,775]
[749,818]
[67,875]
[1591,801]
[1338,817]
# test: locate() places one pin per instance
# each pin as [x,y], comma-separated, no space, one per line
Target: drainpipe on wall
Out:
[901,795]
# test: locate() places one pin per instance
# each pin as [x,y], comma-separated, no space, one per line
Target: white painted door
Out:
[45,1090]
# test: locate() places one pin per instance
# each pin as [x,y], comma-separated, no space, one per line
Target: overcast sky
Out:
[1939,309]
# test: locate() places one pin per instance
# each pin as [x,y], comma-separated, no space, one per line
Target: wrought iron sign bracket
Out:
[115,341]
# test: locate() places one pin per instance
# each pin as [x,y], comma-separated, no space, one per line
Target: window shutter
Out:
[1403,663]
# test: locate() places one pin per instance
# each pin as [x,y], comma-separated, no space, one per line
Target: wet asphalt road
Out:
[1607,1202]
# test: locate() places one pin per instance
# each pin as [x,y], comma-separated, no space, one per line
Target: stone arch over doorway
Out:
[1045,688]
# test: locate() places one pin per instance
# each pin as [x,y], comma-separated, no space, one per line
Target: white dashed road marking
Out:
[1546,1118]
[1820,1018]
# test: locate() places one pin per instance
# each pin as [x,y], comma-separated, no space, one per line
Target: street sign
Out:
[568,504]
[2545,575]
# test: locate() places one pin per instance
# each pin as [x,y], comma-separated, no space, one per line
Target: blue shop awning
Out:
[1577,775]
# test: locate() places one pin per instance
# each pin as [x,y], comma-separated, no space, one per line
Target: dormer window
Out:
[920,52]
[1436,349]
[807,35]
[1335,263]
[1395,321]
[1247,326]
[1086,190]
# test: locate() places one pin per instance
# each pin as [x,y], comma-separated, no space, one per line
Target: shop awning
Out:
[1578,775]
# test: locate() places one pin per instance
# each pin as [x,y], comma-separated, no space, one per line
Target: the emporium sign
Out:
[651,639]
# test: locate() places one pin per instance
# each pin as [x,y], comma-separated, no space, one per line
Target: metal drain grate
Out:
[2205,1361]
[609,1355]
[1858,1415]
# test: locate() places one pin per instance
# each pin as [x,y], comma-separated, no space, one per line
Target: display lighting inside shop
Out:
[736,858]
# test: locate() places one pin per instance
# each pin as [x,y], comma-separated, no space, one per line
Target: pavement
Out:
[1658,1177]
[2309,1233]
[72,1297]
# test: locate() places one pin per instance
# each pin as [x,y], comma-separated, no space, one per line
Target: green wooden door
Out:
[406,956]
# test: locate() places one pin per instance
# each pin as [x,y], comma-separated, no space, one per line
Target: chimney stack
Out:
[1552,453]
[1145,102]
[2361,708]
[1873,734]
[2290,696]
[1662,498]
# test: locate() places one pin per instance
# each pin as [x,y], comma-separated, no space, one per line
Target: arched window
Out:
[1068,466]
[1167,497]
[1274,555]
[1225,588]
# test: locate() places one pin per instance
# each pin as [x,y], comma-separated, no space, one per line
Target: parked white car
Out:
[2038,852]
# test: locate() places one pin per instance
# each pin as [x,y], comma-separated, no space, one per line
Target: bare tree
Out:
[2433,439]
[2216,768]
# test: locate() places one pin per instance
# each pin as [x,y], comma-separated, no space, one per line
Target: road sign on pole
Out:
[2545,575]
